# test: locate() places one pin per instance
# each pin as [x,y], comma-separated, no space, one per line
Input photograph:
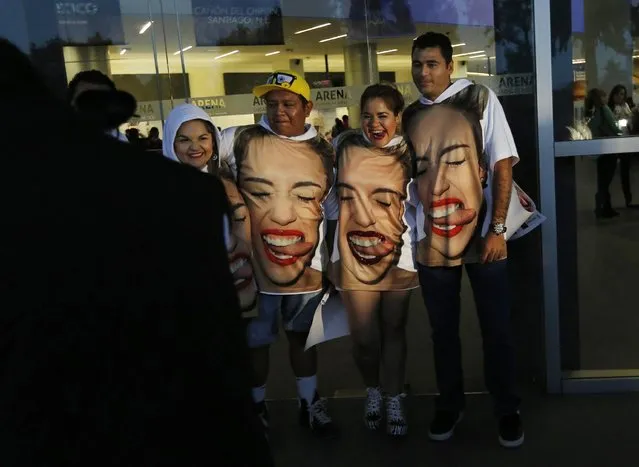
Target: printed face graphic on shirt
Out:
[284,184]
[239,250]
[449,179]
[524,199]
[371,189]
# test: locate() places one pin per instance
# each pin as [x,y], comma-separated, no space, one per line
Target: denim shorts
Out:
[297,313]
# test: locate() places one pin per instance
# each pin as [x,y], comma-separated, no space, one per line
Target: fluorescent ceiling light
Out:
[123,51]
[469,53]
[386,51]
[319,26]
[477,56]
[183,50]
[492,58]
[577,61]
[226,54]
[272,53]
[476,73]
[145,26]
[333,38]
[635,56]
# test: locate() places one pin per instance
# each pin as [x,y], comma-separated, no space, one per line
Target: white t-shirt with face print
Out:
[357,271]
[319,259]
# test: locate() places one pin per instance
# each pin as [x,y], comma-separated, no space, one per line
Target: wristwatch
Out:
[498,228]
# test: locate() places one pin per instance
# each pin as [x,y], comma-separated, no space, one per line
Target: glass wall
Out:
[595,71]
[212,52]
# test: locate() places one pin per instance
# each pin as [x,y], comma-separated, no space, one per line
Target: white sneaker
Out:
[373,409]
[396,424]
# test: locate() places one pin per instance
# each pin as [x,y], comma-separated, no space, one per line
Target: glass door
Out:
[589,167]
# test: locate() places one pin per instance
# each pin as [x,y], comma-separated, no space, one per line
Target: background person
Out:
[602,125]
[94,80]
[284,171]
[439,276]
[153,141]
[372,262]
[617,102]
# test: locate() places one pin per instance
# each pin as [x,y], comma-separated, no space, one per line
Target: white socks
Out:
[259,394]
[306,388]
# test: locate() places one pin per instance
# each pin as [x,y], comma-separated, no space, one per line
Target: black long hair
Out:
[613,93]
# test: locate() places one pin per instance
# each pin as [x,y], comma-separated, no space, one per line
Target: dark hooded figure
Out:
[121,342]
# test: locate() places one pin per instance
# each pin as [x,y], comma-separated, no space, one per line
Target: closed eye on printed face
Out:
[345,191]
[258,191]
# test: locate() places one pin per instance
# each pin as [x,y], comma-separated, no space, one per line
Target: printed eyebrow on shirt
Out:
[390,191]
[259,180]
[442,152]
[307,184]
[345,185]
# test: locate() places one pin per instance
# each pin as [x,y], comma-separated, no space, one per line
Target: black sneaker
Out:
[262,412]
[316,417]
[443,426]
[511,431]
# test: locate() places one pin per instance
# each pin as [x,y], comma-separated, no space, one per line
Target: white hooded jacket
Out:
[179,115]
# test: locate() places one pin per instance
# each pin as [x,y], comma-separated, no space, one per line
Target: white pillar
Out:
[360,67]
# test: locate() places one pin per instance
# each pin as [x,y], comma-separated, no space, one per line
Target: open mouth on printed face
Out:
[241,270]
[368,247]
[285,247]
[448,217]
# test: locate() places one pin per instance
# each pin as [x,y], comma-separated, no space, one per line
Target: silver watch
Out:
[498,228]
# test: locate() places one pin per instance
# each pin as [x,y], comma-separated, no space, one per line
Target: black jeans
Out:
[441,289]
[606,167]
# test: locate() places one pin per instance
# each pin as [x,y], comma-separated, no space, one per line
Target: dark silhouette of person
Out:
[121,342]
[153,142]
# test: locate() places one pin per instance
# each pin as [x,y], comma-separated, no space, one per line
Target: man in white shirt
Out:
[463,143]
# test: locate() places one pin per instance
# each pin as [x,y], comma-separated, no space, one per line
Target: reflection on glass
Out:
[596,50]
[603,321]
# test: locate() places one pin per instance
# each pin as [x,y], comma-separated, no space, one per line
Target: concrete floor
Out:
[585,431]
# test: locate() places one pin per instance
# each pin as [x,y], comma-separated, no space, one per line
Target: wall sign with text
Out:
[97,22]
[327,98]
[237,22]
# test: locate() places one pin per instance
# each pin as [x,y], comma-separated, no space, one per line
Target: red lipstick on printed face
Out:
[285,247]
[368,254]
[458,218]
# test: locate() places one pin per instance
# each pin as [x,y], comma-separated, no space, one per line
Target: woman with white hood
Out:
[190,137]
[372,264]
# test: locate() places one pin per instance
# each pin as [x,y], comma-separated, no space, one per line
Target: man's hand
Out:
[494,248]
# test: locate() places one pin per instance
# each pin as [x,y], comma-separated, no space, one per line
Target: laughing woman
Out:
[373,260]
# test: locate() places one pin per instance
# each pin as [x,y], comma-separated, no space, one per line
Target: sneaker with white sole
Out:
[396,424]
[373,409]
[443,426]
[511,431]
[316,417]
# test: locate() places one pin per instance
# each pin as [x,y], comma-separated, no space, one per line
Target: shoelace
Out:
[319,412]
[394,408]
[374,400]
